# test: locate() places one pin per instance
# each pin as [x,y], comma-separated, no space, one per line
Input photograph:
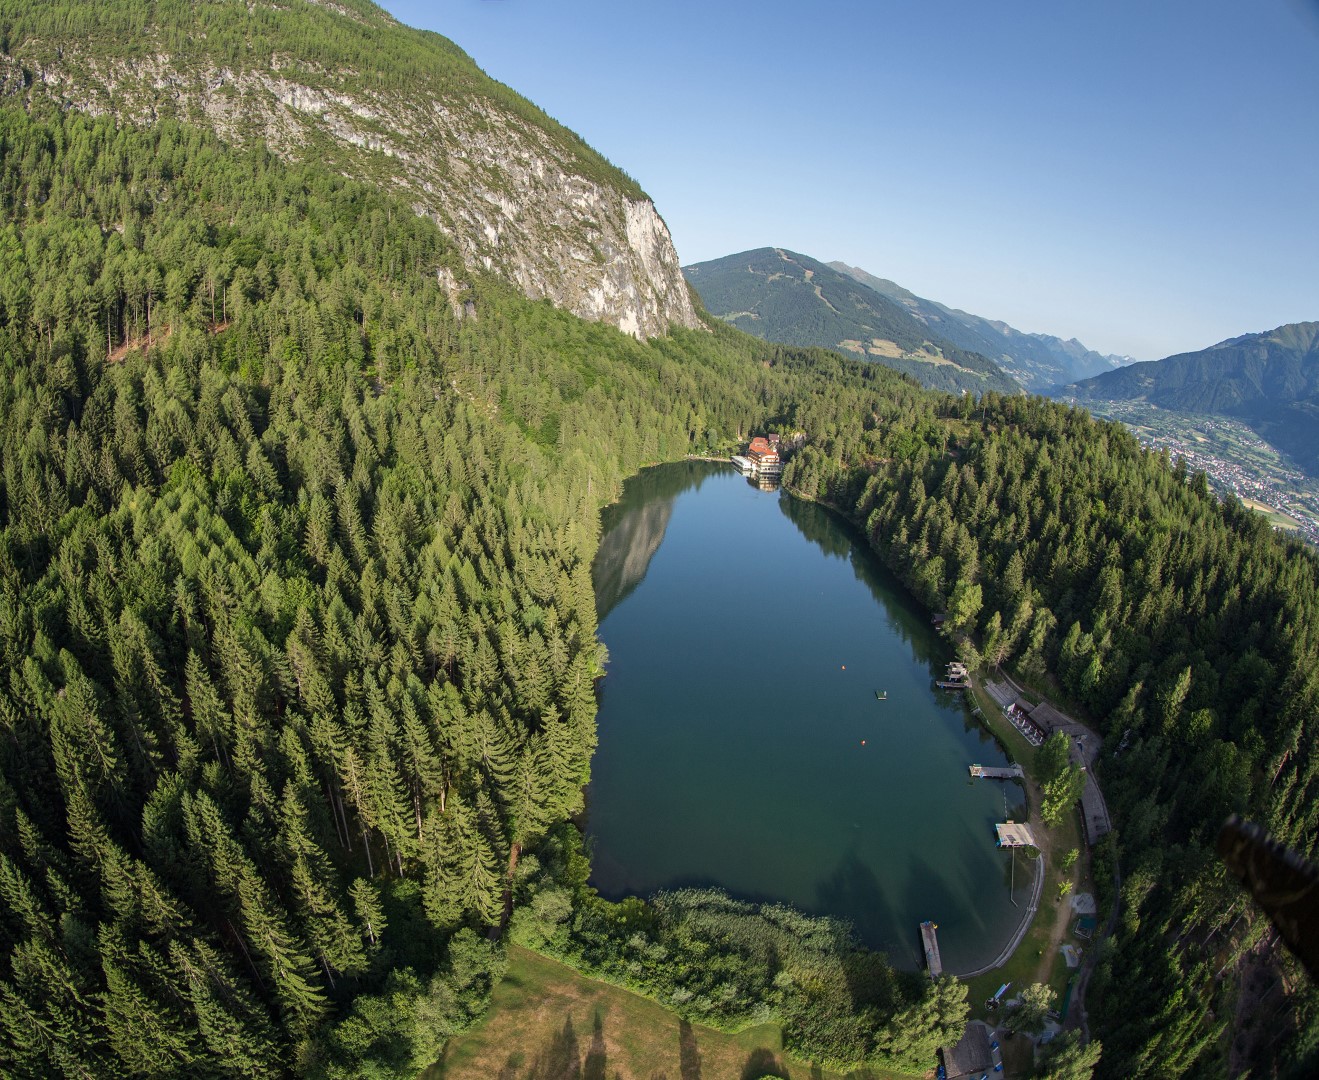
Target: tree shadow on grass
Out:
[560,1059]
[763,1063]
[689,1057]
[593,1068]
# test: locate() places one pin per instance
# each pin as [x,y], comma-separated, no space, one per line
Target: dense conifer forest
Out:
[299,637]
[297,612]
[1184,627]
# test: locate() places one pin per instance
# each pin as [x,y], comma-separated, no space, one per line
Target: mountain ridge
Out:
[519,194]
[793,299]
[1269,380]
[1035,360]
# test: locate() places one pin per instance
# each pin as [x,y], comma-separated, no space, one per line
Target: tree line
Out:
[1180,625]
[295,600]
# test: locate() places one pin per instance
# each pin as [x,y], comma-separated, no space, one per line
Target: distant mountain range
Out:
[1036,361]
[792,299]
[1269,381]
[782,296]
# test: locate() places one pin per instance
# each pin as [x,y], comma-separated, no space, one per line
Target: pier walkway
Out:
[930,939]
[985,772]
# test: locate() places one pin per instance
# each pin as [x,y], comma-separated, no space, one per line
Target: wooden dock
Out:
[945,685]
[1012,772]
[1011,834]
[930,939]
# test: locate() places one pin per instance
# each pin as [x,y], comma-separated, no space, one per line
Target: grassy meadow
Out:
[549,1022]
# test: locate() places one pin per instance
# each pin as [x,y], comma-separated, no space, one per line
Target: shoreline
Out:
[1032,908]
[1027,920]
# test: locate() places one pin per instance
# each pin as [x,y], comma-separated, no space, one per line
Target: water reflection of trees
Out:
[837,537]
[634,527]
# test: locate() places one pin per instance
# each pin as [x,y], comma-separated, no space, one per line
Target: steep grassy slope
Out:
[782,296]
[1037,361]
[346,85]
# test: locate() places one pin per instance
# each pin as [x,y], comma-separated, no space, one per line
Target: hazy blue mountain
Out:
[792,299]
[1037,361]
[1270,381]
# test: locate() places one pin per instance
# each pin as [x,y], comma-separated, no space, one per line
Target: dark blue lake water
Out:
[741,742]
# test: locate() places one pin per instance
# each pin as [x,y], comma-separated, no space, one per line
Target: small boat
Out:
[881,695]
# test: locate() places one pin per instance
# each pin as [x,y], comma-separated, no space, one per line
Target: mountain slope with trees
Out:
[782,296]
[299,640]
[1270,381]
[1038,361]
[296,601]
[345,85]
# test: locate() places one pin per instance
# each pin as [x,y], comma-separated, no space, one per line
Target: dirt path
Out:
[1062,916]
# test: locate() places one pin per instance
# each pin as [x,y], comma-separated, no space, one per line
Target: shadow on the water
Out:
[633,528]
[836,536]
[930,895]
[854,887]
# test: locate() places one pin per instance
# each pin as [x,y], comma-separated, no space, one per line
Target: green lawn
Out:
[548,1022]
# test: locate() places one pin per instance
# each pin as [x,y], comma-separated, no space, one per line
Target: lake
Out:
[741,744]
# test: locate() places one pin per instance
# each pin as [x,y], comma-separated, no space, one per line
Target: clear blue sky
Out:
[1140,174]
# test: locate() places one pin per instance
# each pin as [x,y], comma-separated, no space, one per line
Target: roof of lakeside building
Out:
[971,1055]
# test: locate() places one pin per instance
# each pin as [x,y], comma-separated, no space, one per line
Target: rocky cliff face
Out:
[520,196]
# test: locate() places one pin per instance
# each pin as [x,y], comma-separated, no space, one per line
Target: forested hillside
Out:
[348,87]
[1183,627]
[296,598]
[298,630]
